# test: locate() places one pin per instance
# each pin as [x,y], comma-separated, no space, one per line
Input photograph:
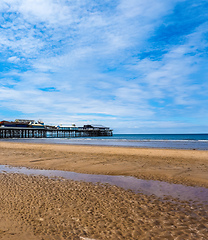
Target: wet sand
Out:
[188,167]
[36,207]
[63,209]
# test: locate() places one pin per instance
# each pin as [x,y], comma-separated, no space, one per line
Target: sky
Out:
[135,66]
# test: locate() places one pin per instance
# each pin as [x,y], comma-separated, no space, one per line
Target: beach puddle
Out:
[148,187]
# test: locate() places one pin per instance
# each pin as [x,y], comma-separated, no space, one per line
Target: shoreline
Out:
[188,144]
[188,167]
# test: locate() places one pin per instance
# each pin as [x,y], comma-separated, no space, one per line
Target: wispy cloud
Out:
[135,63]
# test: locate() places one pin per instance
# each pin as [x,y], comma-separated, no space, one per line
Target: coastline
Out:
[37,207]
[170,141]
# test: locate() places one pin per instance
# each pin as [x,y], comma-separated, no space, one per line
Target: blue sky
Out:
[136,66]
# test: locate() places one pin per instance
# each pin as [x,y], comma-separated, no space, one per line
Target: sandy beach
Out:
[188,167]
[36,207]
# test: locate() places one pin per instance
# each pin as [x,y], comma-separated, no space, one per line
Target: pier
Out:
[23,128]
[23,132]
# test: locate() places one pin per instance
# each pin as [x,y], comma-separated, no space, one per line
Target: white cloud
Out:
[87,54]
[48,11]
[13,59]
[170,77]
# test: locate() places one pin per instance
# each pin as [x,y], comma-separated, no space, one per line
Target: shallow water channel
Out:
[148,187]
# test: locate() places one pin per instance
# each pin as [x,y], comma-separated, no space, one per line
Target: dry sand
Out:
[178,166]
[35,207]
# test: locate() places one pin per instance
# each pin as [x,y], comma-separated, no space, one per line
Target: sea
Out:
[169,141]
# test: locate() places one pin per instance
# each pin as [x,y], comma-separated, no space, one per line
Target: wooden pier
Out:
[18,132]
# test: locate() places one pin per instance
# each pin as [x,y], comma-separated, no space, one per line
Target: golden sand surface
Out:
[62,209]
[36,207]
[188,167]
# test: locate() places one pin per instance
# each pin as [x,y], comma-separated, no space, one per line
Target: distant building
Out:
[38,124]
[26,121]
[67,127]
[13,124]
[22,123]
[95,127]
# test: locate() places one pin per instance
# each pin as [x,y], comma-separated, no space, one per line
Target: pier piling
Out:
[15,132]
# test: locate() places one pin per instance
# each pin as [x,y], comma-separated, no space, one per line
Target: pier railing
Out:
[17,132]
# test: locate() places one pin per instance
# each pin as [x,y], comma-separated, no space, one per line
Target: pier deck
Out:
[17,132]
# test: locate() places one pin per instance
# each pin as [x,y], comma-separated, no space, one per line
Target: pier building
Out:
[21,128]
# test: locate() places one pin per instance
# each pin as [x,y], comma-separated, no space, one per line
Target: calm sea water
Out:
[161,137]
[174,141]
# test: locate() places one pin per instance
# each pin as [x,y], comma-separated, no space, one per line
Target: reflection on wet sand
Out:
[34,206]
[51,208]
[149,187]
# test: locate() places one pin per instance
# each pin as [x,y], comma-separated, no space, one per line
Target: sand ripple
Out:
[64,209]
